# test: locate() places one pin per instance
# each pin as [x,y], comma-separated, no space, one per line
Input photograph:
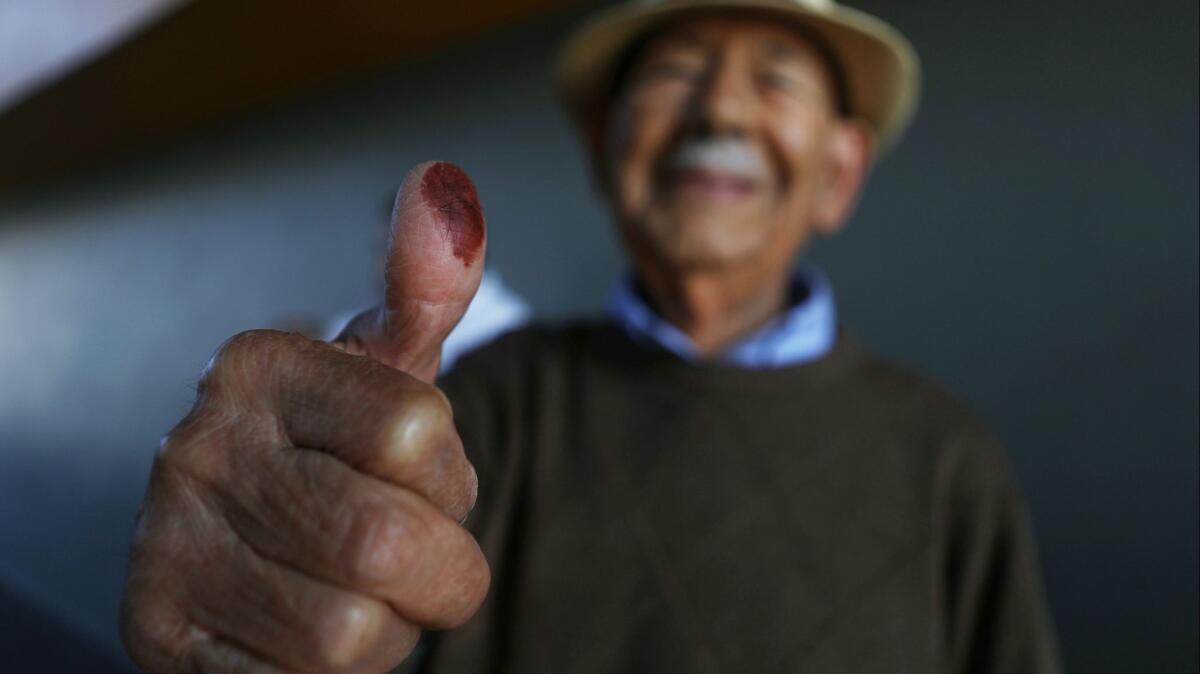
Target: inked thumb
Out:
[434,265]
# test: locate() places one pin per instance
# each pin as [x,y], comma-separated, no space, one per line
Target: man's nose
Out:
[725,101]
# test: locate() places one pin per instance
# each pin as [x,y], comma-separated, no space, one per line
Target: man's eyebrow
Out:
[780,50]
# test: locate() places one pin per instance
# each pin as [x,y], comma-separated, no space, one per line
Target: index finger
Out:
[379,420]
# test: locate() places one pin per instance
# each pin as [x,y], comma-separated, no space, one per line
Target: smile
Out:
[710,185]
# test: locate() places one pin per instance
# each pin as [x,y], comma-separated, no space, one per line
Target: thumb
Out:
[434,264]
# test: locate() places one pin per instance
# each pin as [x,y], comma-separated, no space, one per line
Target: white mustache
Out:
[720,155]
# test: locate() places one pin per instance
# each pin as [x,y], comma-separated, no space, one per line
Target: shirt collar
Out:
[806,331]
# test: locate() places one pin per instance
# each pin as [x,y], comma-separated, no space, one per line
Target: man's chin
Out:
[691,239]
[696,253]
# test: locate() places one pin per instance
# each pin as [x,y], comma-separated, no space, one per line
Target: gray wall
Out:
[1033,243]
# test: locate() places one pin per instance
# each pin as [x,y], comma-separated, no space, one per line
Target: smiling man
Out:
[714,478]
[725,151]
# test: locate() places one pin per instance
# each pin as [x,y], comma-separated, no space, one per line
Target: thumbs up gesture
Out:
[304,517]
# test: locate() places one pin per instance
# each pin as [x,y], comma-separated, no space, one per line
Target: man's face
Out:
[722,146]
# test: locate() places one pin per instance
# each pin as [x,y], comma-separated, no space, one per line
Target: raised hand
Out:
[304,517]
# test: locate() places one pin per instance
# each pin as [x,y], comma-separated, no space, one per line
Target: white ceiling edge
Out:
[41,41]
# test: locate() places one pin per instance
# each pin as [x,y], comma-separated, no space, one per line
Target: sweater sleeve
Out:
[998,618]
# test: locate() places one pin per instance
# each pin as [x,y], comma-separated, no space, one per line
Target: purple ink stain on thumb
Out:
[452,198]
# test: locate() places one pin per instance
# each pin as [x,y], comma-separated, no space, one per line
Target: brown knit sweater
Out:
[643,514]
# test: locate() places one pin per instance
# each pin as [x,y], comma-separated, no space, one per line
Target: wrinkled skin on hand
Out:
[305,516]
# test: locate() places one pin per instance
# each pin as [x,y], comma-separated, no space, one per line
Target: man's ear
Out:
[850,149]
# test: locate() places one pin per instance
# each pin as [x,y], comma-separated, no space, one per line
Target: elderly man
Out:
[713,479]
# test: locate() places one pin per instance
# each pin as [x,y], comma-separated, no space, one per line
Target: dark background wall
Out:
[1032,243]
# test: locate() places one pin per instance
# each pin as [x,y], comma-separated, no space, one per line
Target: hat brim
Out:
[880,66]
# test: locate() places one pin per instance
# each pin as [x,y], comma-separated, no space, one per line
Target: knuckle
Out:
[240,358]
[170,447]
[193,432]
[235,401]
[418,429]
[196,447]
[232,353]
[348,630]
[384,544]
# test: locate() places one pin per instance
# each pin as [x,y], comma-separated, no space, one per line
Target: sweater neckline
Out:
[648,364]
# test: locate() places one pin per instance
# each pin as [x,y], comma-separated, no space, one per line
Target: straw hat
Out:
[881,69]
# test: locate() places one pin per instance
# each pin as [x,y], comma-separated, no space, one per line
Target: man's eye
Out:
[778,80]
[798,88]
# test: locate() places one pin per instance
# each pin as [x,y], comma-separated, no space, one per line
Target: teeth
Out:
[722,155]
